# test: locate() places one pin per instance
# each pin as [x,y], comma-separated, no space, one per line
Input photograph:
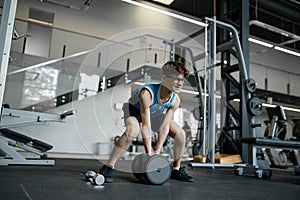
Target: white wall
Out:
[278,67]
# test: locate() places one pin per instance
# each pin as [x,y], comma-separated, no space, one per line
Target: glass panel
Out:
[80,66]
[39,85]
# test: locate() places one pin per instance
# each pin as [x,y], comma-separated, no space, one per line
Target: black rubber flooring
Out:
[66,181]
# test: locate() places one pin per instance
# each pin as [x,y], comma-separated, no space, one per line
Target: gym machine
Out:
[259,167]
[12,142]
[253,104]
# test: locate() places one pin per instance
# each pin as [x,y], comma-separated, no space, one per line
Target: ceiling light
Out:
[276,47]
[166,2]
[260,42]
[287,51]
[187,19]
[273,29]
[40,22]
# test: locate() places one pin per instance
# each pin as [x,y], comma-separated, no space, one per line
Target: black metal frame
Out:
[235,88]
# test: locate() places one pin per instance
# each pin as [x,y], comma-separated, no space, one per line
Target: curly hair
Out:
[174,67]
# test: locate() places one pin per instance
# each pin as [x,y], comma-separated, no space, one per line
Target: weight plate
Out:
[138,167]
[158,170]
[250,85]
[98,179]
[255,106]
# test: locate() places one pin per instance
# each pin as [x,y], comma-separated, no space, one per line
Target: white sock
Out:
[176,168]
[113,167]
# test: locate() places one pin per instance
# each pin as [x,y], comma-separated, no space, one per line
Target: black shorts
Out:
[131,111]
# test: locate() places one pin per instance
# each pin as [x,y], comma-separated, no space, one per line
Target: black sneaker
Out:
[107,172]
[181,175]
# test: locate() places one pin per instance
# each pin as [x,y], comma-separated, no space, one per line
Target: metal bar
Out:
[245,96]
[246,120]
[221,47]
[14,118]
[193,35]
[26,162]
[50,62]
[212,96]
[15,158]
[9,151]
[225,46]
[205,91]
[253,152]
[6,32]
[200,99]
[236,42]
[193,164]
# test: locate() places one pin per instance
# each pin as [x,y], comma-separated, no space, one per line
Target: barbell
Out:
[155,169]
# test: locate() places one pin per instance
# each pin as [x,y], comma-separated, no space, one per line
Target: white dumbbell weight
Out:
[94,178]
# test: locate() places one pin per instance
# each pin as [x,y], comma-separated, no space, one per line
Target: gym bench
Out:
[19,149]
[260,168]
[33,150]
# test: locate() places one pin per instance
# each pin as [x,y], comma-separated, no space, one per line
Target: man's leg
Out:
[178,136]
[132,130]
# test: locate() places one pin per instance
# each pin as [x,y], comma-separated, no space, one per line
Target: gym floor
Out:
[66,181]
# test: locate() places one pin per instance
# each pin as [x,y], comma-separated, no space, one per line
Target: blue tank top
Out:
[157,108]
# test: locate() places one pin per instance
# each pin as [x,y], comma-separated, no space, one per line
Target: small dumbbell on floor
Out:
[94,178]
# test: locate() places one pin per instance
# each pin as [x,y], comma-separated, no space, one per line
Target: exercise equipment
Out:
[155,169]
[233,115]
[255,106]
[278,118]
[250,85]
[94,178]
[37,144]
[14,117]
[19,149]
[261,168]
[277,131]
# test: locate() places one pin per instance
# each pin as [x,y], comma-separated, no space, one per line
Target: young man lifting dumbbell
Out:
[153,105]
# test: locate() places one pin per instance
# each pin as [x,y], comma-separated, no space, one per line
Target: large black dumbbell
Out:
[155,169]
[94,178]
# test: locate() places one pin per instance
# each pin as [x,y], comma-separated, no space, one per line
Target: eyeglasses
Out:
[177,79]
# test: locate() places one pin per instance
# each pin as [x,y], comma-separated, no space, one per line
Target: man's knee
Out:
[180,136]
[132,128]
[132,131]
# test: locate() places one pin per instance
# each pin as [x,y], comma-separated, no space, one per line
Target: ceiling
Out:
[282,14]
[277,21]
